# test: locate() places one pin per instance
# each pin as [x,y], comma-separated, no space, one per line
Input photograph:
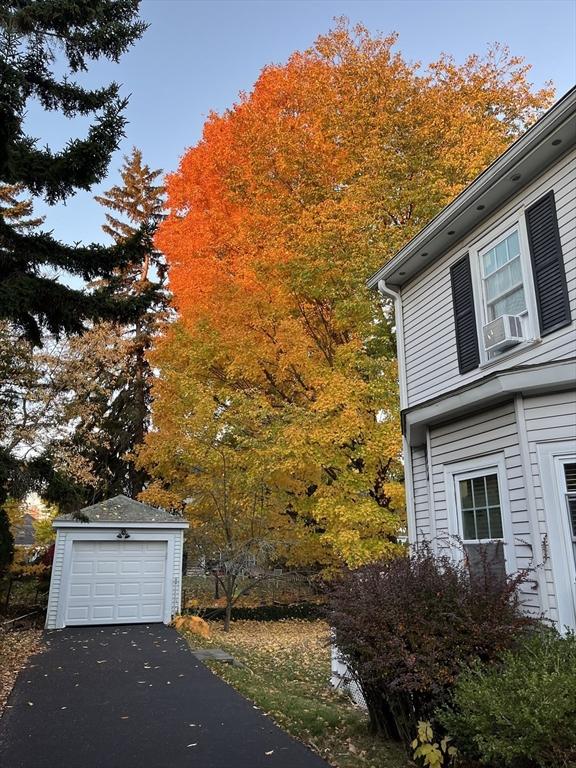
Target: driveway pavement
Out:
[135,697]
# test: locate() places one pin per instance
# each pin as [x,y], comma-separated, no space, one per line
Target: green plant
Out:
[520,712]
[432,753]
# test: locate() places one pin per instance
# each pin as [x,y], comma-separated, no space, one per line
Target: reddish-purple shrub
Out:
[407,627]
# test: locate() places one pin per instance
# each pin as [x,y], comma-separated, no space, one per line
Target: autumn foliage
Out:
[276,218]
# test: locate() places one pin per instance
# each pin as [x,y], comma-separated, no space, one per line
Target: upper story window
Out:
[510,288]
[503,283]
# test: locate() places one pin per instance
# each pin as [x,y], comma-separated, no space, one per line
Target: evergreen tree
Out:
[138,203]
[18,212]
[30,33]
[106,368]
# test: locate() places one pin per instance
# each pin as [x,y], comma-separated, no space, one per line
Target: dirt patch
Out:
[15,648]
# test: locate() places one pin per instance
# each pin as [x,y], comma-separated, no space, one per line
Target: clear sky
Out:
[197,55]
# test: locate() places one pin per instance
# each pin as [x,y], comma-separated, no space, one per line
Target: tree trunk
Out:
[227,614]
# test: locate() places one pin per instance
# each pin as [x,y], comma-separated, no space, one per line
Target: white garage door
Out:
[116,582]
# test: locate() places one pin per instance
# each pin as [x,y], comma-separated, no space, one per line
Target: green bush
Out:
[520,712]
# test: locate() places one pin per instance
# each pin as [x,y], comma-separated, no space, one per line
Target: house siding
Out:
[493,431]
[430,354]
[548,418]
[421,487]
[56,579]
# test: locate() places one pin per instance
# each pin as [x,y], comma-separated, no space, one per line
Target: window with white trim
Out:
[503,285]
[480,508]
[568,492]
[478,505]
[502,280]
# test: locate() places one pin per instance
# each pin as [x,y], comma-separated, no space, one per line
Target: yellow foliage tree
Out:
[276,218]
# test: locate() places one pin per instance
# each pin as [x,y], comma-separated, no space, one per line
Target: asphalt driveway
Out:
[135,697]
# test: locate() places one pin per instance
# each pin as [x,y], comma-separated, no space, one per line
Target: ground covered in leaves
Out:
[15,648]
[285,671]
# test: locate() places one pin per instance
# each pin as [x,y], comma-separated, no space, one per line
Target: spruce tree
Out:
[16,211]
[136,203]
[79,31]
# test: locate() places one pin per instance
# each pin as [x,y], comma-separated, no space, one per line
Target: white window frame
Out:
[551,459]
[516,221]
[479,467]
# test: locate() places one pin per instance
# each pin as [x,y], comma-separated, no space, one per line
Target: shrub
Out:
[408,626]
[521,711]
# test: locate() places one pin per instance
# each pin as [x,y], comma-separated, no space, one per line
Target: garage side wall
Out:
[56,580]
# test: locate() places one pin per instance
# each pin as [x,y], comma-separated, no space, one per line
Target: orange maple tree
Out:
[276,218]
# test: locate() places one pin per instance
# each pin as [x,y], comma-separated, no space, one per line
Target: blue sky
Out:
[198,55]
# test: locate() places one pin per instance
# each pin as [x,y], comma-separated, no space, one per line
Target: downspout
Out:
[394,293]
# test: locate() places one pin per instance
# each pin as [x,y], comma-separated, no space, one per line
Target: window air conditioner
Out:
[504,332]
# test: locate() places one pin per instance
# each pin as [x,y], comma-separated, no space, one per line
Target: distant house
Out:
[485,299]
[24,532]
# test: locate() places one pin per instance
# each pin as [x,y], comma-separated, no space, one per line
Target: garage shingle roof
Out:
[121,509]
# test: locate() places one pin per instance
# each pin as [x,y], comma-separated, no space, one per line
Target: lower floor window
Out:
[479,511]
[480,507]
[570,494]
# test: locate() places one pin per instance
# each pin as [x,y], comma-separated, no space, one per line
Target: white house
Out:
[121,563]
[485,301]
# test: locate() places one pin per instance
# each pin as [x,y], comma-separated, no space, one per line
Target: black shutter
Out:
[465,316]
[547,265]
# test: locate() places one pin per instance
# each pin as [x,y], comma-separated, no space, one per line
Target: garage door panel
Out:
[116,582]
[106,567]
[105,589]
[80,590]
[152,588]
[82,567]
[102,612]
[130,589]
[130,567]
[152,612]
[153,567]
[78,614]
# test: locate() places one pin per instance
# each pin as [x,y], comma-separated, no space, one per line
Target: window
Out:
[478,508]
[502,281]
[569,477]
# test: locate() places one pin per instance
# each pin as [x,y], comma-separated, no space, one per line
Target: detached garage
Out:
[117,562]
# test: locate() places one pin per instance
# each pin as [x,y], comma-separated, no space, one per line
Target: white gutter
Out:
[111,524]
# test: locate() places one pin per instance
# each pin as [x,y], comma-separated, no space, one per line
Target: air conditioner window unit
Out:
[502,333]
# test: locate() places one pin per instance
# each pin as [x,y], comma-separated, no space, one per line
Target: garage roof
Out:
[120,509]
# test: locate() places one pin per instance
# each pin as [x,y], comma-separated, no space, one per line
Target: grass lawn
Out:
[286,669]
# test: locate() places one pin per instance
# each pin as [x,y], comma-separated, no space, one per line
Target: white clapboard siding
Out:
[56,579]
[428,319]
[550,417]
[490,432]
[420,491]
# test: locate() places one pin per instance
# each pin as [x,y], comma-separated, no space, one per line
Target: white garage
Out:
[117,562]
